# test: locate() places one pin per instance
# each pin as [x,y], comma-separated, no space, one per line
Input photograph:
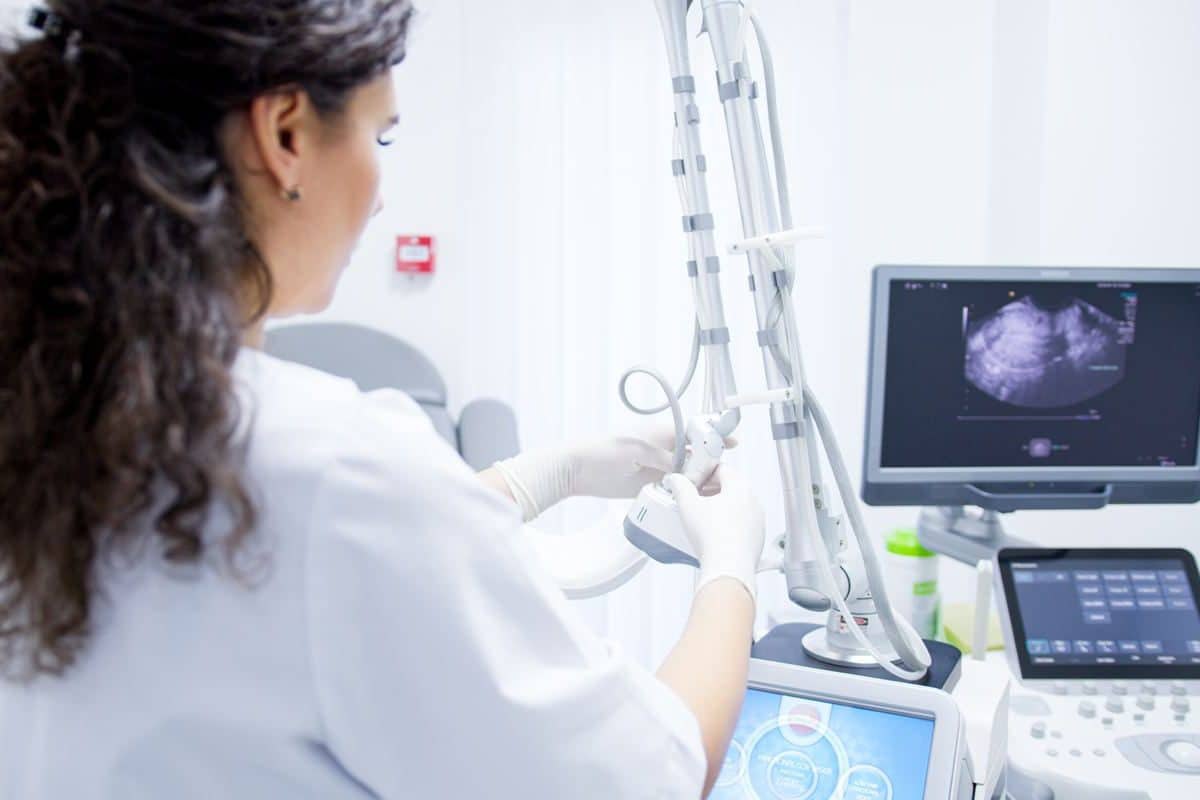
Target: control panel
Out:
[1107,739]
[1106,646]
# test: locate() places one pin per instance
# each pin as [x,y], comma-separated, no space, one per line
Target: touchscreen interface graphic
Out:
[1099,611]
[794,748]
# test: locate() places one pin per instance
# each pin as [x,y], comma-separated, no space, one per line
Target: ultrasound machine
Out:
[1107,646]
[996,390]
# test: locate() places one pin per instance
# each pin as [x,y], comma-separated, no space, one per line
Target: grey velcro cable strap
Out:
[683,84]
[697,222]
[713,336]
[785,430]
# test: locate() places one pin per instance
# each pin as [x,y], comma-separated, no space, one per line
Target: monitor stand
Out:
[964,533]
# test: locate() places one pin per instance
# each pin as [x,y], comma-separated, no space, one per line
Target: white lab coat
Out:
[395,643]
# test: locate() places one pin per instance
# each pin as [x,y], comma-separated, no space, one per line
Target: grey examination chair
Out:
[486,430]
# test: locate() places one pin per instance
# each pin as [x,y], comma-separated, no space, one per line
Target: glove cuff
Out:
[537,480]
[746,577]
[518,490]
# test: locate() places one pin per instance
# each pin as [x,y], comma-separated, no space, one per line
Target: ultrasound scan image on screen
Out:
[1047,350]
[1033,373]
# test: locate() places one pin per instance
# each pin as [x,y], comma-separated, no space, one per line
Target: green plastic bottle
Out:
[912,577]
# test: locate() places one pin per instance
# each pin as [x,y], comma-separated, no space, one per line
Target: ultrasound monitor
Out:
[1016,387]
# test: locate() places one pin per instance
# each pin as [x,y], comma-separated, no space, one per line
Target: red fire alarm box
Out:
[416,254]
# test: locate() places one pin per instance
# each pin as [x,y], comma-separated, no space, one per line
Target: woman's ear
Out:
[280,127]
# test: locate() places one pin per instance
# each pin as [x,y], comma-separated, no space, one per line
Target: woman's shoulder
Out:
[361,462]
[299,415]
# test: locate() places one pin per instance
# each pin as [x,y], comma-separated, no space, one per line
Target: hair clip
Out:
[49,23]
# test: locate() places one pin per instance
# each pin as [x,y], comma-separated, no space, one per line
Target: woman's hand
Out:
[619,466]
[613,467]
[726,530]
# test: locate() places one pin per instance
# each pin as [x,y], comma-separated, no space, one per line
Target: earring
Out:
[291,195]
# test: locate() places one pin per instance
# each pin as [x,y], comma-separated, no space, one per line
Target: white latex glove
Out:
[726,529]
[612,467]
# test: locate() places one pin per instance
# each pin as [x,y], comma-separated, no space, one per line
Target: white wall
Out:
[535,141]
[9,13]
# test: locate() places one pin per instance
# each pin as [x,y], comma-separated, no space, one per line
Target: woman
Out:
[226,576]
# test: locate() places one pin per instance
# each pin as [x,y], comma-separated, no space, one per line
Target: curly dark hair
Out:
[127,280]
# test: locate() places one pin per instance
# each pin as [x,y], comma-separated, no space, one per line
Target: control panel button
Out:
[1060,687]
[1149,687]
[1185,754]
[1180,705]
[1120,688]
[1145,702]
[1099,751]
[1038,731]
[1087,709]
[1115,704]
[1178,689]
[1089,687]
[1075,752]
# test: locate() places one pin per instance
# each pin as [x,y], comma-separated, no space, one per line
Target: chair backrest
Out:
[487,432]
[372,359]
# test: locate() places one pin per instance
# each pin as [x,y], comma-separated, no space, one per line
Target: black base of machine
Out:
[783,644]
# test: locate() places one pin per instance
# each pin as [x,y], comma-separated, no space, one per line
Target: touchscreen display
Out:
[1115,614]
[794,748]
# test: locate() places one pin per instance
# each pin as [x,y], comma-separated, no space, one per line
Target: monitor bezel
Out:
[937,485]
[1014,627]
[873,694]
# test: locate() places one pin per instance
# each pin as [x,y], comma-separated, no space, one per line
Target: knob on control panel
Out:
[1183,753]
